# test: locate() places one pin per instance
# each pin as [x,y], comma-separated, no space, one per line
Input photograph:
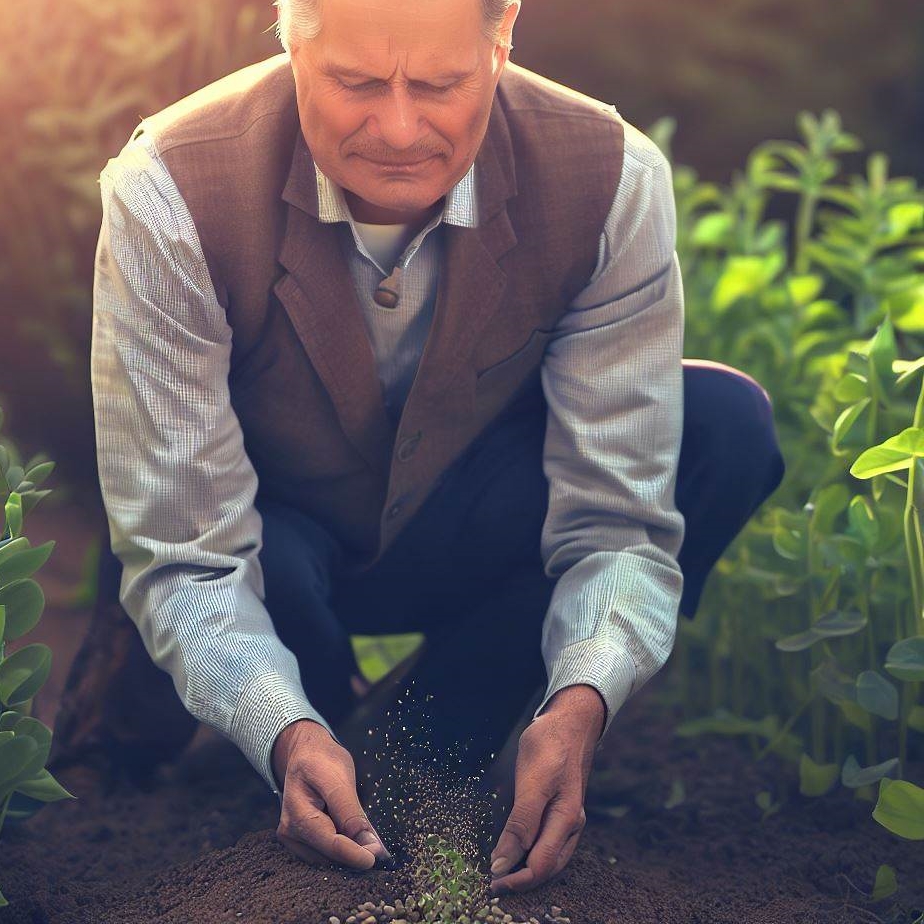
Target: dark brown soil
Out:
[198,844]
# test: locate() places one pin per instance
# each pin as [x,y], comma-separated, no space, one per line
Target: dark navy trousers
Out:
[467,571]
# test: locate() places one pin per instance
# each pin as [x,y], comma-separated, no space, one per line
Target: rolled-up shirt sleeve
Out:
[613,380]
[177,484]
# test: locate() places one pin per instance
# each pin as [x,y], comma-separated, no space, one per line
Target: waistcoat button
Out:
[394,510]
[409,446]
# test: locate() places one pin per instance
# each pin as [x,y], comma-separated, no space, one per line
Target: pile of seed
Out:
[405,912]
[416,791]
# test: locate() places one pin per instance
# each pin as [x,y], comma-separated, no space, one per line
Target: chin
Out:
[401,194]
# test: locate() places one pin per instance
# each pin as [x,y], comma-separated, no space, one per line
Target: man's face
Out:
[396,82]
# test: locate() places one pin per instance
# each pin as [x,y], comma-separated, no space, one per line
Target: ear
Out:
[502,49]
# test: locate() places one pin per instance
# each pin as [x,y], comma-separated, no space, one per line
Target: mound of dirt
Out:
[197,843]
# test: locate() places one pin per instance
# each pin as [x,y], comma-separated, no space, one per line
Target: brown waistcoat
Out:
[303,379]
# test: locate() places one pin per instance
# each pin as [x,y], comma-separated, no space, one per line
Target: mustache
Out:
[403,159]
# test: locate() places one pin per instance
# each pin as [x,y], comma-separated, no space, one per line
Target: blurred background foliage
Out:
[76,78]
[801,240]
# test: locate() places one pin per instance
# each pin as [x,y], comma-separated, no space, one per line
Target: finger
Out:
[304,820]
[348,815]
[522,828]
[561,820]
[567,852]
[300,850]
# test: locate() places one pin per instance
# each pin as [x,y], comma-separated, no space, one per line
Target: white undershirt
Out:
[385,242]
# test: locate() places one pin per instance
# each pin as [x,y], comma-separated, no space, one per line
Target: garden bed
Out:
[198,844]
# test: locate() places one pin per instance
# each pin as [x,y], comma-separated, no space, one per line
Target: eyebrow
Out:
[344,71]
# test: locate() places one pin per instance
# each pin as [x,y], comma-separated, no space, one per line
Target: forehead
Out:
[426,30]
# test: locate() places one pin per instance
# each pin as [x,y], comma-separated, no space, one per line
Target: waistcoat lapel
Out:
[472,284]
[319,295]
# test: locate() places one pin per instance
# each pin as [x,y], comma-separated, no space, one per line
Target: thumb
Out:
[370,839]
[351,820]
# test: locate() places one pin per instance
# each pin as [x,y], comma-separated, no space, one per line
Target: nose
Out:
[396,120]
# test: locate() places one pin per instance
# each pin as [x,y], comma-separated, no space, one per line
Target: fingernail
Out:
[368,839]
[500,866]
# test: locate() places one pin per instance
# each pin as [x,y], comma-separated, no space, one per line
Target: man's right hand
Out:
[316,774]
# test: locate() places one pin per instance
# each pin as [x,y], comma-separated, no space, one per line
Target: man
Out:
[406,320]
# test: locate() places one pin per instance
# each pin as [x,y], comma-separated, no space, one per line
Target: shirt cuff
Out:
[602,664]
[268,704]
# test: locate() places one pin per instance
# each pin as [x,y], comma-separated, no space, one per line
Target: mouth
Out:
[399,167]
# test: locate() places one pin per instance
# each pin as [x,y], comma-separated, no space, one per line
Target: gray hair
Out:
[302,18]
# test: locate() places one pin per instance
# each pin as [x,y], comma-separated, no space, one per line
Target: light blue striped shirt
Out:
[179,488]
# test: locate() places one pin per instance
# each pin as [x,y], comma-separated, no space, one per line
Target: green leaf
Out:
[22,561]
[40,733]
[677,795]
[816,779]
[849,425]
[24,602]
[905,218]
[862,521]
[906,308]
[827,505]
[9,719]
[900,808]
[23,673]
[713,230]
[833,683]
[907,369]
[789,543]
[15,753]
[798,642]
[44,787]
[851,388]
[894,454]
[14,476]
[876,695]
[40,472]
[856,716]
[13,513]
[883,352]
[905,659]
[805,289]
[832,624]
[886,883]
[11,548]
[723,722]
[745,276]
[853,775]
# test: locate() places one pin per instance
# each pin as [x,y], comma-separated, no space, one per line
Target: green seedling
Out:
[25,742]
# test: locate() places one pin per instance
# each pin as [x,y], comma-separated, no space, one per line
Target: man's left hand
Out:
[554,760]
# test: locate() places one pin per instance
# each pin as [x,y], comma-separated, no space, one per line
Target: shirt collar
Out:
[460,207]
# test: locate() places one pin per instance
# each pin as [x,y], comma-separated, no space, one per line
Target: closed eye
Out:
[378,84]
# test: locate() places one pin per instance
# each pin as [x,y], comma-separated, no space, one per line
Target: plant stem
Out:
[817,703]
[904,708]
[863,599]
[737,659]
[786,727]
[804,220]
[913,530]
[3,807]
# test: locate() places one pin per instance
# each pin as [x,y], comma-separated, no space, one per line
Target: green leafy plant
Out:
[24,741]
[811,633]
[447,887]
